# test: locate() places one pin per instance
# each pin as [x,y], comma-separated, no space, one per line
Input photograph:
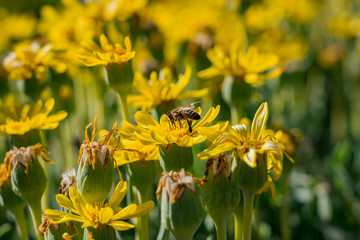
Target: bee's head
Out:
[170,116]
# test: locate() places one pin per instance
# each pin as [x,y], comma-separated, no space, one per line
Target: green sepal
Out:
[175,158]
[220,197]
[10,199]
[103,232]
[251,179]
[142,174]
[183,217]
[119,77]
[30,186]
[94,185]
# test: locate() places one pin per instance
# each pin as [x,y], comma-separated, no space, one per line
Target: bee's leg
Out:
[189,123]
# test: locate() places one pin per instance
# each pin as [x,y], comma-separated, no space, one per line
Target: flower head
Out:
[109,214]
[250,65]
[31,59]
[22,156]
[162,90]
[149,131]
[175,183]
[20,120]
[93,55]
[248,143]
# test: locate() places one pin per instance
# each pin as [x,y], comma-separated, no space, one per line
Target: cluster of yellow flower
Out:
[140,45]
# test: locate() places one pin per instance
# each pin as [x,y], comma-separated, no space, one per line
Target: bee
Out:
[183,113]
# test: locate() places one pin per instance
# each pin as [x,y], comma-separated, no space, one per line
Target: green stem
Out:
[45,199]
[35,207]
[285,209]
[20,222]
[221,229]
[238,215]
[234,115]
[124,107]
[142,228]
[248,208]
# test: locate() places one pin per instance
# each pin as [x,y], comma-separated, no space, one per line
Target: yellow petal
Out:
[250,158]
[118,195]
[120,225]
[259,121]
[65,202]
[145,119]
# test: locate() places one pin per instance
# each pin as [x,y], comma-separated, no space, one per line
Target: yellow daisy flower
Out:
[247,143]
[133,151]
[31,59]
[109,214]
[149,131]
[161,89]
[18,120]
[252,66]
[93,55]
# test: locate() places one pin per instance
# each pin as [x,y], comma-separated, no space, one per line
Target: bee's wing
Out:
[191,105]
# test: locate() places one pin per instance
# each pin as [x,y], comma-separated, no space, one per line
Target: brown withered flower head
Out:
[93,151]
[218,164]
[68,180]
[175,183]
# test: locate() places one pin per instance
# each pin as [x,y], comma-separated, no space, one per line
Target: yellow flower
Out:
[345,25]
[109,214]
[287,48]
[150,132]
[15,27]
[162,90]
[92,55]
[20,120]
[132,151]
[252,66]
[31,59]
[21,156]
[247,143]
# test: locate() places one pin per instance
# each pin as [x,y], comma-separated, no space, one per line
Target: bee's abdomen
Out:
[193,115]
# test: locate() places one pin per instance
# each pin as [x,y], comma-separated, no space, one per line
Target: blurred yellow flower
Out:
[287,47]
[345,25]
[132,151]
[150,132]
[18,120]
[109,214]
[31,59]
[91,54]
[162,90]
[15,27]
[252,66]
[247,143]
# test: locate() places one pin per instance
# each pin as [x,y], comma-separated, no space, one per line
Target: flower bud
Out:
[95,174]
[27,175]
[142,174]
[174,158]
[181,210]
[10,199]
[220,194]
